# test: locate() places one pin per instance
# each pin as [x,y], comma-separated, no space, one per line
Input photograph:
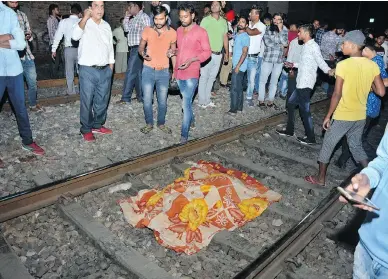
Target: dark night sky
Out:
[341,11]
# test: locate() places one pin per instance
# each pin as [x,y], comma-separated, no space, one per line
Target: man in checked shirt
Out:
[134,26]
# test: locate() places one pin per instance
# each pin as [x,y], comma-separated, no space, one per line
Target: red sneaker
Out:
[102,130]
[34,148]
[89,136]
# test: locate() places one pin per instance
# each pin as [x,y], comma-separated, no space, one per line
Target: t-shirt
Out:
[240,41]
[380,51]
[158,46]
[374,102]
[255,45]
[216,29]
[358,74]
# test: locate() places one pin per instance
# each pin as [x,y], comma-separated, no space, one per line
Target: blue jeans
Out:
[29,72]
[236,92]
[187,88]
[300,98]
[267,69]
[283,83]
[251,74]
[257,78]
[365,267]
[15,88]
[133,76]
[160,79]
[95,87]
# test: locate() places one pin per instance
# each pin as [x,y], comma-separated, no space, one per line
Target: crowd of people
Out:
[264,55]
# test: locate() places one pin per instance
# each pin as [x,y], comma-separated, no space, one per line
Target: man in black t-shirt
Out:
[380,38]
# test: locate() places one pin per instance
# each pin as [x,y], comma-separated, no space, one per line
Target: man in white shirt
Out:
[96,60]
[311,58]
[256,32]
[65,28]
[121,48]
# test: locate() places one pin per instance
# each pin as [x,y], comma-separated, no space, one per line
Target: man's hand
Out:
[288,64]
[237,69]
[127,13]
[87,13]
[111,66]
[331,72]
[226,58]
[326,123]
[53,55]
[332,58]
[146,57]
[6,37]
[171,53]
[360,185]
[185,65]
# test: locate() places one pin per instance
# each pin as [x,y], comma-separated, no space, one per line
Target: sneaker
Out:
[202,106]
[305,140]
[146,129]
[231,113]
[89,136]
[211,105]
[284,132]
[192,125]
[122,102]
[250,103]
[183,140]
[102,130]
[36,108]
[165,129]
[283,97]
[34,148]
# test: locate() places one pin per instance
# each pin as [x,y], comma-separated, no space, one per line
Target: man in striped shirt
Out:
[52,26]
[134,23]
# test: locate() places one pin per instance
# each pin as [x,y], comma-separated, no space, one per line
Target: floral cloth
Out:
[187,214]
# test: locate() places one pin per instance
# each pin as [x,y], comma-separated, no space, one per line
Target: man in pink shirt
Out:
[193,49]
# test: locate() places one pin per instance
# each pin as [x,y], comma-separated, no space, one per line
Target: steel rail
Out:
[26,201]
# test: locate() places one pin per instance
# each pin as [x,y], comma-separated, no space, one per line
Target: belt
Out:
[134,46]
[71,47]
[253,55]
[216,52]
[158,68]
[99,67]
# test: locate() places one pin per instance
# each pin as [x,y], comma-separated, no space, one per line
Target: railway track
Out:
[256,250]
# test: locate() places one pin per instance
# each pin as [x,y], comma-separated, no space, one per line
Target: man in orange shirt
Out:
[160,40]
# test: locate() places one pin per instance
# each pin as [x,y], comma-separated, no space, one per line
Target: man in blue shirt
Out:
[239,66]
[11,74]
[371,255]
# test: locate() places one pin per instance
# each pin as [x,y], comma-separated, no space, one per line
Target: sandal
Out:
[146,129]
[261,105]
[310,179]
[165,129]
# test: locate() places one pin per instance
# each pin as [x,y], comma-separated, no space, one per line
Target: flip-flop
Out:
[310,179]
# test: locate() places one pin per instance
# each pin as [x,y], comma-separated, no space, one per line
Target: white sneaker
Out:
[211,104]
[202,106]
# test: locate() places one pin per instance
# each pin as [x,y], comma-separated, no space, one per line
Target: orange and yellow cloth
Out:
[186,214]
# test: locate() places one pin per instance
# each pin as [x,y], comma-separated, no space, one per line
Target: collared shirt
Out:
[319,36]
[52,26]
[241,41]
[310,60]
[195,43]
[135,26]
[255,41]
[122,44]
[96,43]
[373,104]
[329,45]
[10,64]
[158,46]
[25,25]
[274,45]
[373,232]
[65,29]
[294,52]
[216,30]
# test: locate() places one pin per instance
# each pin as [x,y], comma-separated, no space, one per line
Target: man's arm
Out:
[337,94]
[28,27]
[378,86]
[226,47]
[58,36]
[320,62]
[16,39]
[111,51]
[205,45]
[253,31]
[173,58]
[50,27]
[142,46]
[80,27]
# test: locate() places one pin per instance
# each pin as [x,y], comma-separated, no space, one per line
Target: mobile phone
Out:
[181,66]
[356,199]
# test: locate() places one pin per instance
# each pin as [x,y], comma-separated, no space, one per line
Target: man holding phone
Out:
[193,49]
[371,255]
[159,40]
[96,60]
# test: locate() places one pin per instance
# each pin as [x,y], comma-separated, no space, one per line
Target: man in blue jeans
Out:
[134,23]
[160,40]
[371,255]
[12,39]
[27,57]
[255,30]
[96,60]
[193,49]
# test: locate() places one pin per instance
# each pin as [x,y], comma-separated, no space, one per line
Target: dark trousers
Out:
[300,98]
[133,76]
[236,92]
[328,82]
[291,84]
[95,87]
[15,86]
[369,150]
[54,69]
